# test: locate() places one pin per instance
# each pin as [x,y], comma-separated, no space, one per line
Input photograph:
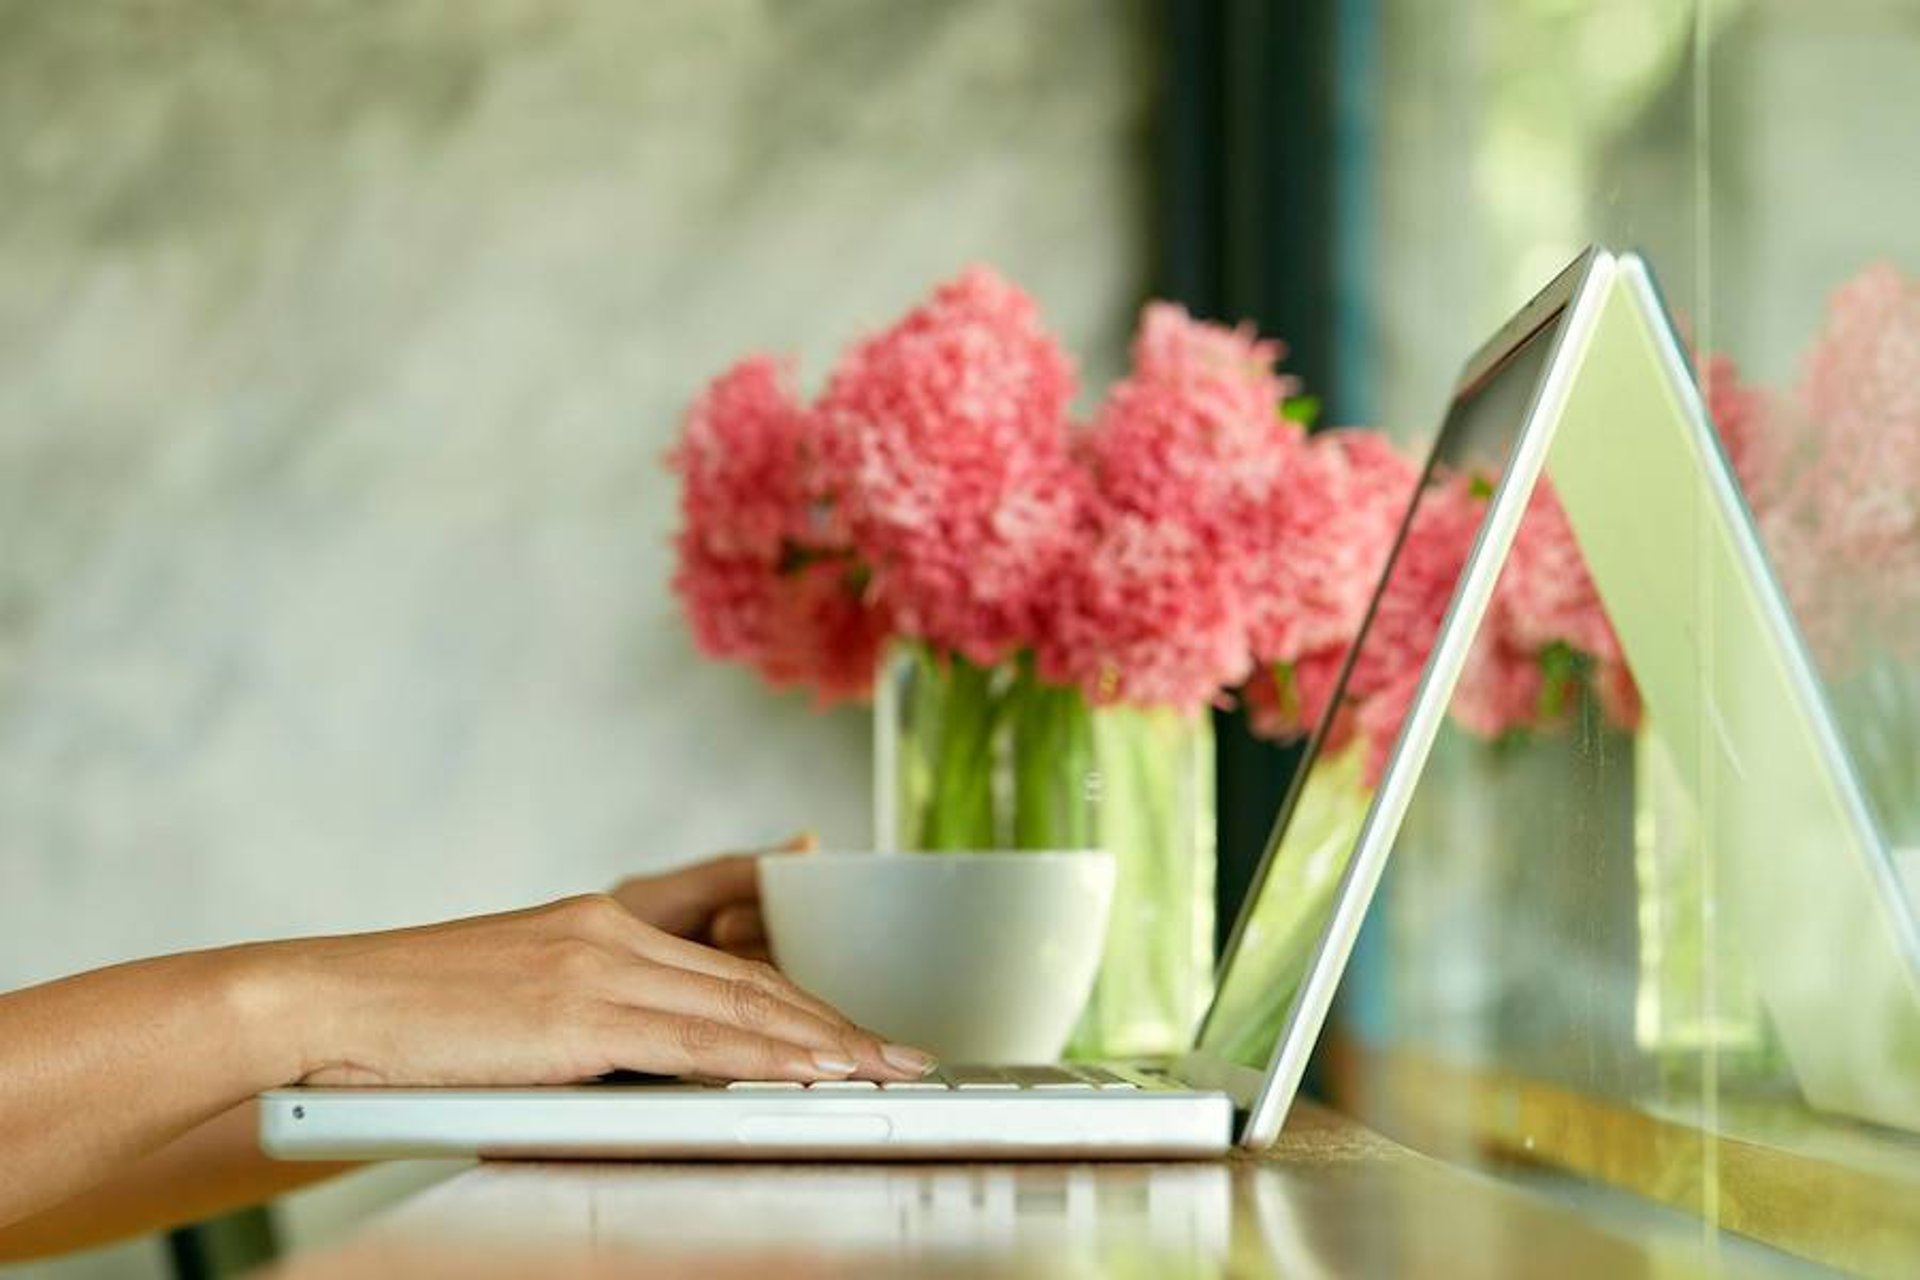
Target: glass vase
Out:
[968,757]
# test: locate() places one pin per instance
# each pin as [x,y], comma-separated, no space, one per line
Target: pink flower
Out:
[1862,376]
[1545,595]
[1501,687]
[1546,608]
[1148,615]
[948,448]
[1321,542]
[1617,694]
[1182,460]
[1287,700]
[1194,433]
[760,572]
[1326,537]
[1855,504]
[1291,697]
[1378,719]
[803,627]
[743,462]
[1412,606]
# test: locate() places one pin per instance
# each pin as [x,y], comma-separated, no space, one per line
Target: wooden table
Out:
[1332,1199]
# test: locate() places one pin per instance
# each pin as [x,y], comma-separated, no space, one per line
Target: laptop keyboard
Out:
[970,1079]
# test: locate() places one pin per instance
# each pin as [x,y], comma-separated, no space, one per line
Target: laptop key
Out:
[764,1084]
[970,1078]
[1047,1078]
[1101,1077]
[822,1086]
[914,1086]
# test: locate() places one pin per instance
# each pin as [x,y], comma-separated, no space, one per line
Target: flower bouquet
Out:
[1050,605]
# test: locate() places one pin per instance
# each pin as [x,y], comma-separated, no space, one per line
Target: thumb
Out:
[704,888]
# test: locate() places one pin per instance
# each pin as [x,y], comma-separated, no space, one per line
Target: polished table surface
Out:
[1331,1199]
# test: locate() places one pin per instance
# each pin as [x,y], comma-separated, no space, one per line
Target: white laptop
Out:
[1808,883]
[1277,980]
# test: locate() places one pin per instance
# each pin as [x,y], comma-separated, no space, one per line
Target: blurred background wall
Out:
[343,344]
[340,344]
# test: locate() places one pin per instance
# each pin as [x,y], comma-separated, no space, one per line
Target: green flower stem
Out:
[1146,966]
[1053,762]
[959,813]
[998,758]
[1168,971]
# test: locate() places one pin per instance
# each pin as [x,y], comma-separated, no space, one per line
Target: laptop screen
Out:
[1359,707]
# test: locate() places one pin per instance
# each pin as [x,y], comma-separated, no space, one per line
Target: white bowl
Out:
[976,957]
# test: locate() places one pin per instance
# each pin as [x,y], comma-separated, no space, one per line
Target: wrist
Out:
[267,1000]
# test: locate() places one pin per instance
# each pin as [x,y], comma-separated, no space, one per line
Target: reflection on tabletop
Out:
[1332,1200]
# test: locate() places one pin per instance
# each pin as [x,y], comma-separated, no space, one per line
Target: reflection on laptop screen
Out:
[1359,712]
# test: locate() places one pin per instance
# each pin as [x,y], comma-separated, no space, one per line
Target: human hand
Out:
[715,903]
[552,995]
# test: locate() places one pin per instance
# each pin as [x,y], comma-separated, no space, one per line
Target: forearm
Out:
[101,1070]
[102,1077]
[212,1169]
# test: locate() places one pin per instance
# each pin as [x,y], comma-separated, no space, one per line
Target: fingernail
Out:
[901,1058]
[834,1065]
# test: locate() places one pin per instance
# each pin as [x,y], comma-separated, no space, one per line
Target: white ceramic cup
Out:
[975,957]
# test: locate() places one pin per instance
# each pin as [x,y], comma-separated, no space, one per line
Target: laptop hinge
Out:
[1205,1071]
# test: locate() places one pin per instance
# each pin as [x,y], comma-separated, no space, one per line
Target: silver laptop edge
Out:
[1580,291]
[1781,819]
[668,1122]
[1805,683]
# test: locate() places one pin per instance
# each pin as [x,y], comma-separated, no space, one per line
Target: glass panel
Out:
[1562,978]
[1360,710]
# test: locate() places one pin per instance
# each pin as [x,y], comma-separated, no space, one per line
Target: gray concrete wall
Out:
[339,347]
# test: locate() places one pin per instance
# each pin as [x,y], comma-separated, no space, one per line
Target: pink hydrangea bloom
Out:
[1233,365]
[1181,462]
[1329,529]
[1832,472]
[1194,432]
[1321,543]
[760,574]
[1861,378]
[1617,694]
[1147,615]
[1546,595]
[948,448]
[1500,687]
[805,627]
[1413,604]
[1855,505]
[1377,721]
[1288,698]
[743,462]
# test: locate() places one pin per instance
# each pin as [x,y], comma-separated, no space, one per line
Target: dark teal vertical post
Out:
[1258,170]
